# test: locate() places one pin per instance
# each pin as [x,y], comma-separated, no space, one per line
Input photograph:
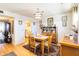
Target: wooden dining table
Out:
[42,39]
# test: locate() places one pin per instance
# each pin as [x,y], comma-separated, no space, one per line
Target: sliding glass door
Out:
[2,31]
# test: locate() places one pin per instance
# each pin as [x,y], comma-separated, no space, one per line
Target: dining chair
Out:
[48,43]
[54,37]
[28,37]
[32,43]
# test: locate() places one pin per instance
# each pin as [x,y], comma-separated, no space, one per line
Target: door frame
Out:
[8,19]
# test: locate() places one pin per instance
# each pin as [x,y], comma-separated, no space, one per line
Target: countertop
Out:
[66,41]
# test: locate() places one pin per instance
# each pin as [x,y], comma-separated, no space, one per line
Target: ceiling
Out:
[28,9]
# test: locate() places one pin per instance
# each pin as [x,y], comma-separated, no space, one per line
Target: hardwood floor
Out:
[19,50]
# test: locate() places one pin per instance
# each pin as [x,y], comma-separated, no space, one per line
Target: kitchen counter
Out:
[69,47]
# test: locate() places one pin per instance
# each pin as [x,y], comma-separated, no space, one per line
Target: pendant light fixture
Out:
[38,15]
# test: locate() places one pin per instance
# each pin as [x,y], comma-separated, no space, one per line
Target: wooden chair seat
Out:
[48,43]
[37,44]
[34,46]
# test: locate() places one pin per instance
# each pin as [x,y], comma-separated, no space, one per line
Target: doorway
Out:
[2,31]
[6,29]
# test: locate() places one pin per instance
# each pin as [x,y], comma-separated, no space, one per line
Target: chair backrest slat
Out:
[50,40]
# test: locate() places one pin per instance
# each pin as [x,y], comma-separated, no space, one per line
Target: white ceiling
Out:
[28,9]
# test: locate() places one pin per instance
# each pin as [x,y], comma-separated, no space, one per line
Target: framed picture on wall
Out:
[50,22]
[64,21]
[20,22]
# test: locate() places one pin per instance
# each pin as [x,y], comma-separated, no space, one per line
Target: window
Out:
[75,17]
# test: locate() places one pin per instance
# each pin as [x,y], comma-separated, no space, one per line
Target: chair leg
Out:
[48,51]
[35,50]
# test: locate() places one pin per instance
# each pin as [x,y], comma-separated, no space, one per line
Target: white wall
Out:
[78,23]
[58,21]
[19,31]
[60,29]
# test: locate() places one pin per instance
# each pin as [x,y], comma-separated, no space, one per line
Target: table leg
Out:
[42,47]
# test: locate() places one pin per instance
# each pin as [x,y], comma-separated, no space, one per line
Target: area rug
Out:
[10,54]
[53,50]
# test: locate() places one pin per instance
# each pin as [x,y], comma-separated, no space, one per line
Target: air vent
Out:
[1,11]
